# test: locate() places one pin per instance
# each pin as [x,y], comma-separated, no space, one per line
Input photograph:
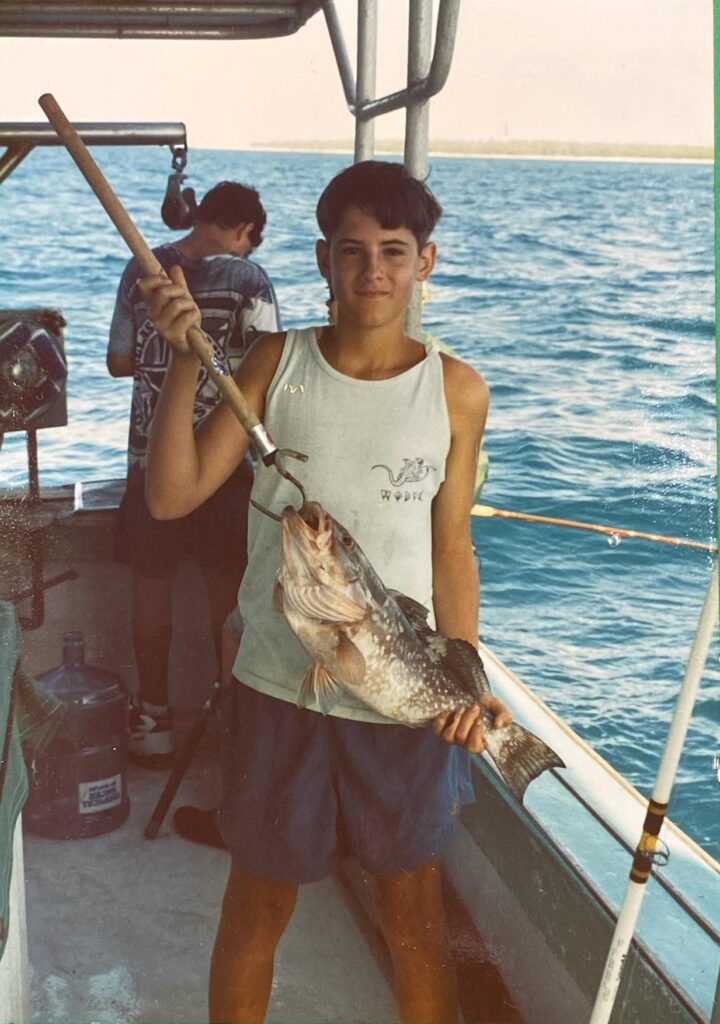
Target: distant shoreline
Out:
[520,150]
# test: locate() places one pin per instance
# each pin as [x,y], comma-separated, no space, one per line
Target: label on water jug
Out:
[100,795]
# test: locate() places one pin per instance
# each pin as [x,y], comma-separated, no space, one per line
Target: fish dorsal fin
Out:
[414,612]
[318,686]
[462,659]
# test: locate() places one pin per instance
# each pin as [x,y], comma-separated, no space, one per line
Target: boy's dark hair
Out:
[384,190]
[230,204]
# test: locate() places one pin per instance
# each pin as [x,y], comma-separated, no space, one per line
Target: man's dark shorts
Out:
[300,790]
[215,534]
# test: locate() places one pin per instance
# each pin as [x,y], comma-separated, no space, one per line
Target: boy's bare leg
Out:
[254,915]
[413,922]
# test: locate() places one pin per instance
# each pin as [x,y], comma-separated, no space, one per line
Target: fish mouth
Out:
[306,536]
[309,521]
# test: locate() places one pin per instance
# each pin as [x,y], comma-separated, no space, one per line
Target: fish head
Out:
[324,572]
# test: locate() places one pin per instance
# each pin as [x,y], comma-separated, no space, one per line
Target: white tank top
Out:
[377,451]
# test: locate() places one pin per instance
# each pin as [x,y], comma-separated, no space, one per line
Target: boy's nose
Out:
[373,265]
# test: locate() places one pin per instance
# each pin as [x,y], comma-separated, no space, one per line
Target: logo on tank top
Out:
[294,389]
[412,471]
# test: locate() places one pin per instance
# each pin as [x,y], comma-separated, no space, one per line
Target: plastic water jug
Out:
[78,784]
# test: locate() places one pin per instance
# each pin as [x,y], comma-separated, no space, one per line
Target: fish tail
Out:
[520,756]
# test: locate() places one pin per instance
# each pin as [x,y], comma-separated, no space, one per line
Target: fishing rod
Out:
[646,851]
[611,531]
[199,342]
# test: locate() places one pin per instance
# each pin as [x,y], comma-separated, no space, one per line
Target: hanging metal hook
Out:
[179,157]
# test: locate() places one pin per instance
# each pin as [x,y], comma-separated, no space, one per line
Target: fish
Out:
[376,644]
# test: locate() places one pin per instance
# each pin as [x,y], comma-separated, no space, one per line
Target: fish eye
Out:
[347,540]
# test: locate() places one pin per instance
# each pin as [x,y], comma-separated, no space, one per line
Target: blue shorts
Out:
[301,790]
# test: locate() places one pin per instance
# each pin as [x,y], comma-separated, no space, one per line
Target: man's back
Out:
[237,302]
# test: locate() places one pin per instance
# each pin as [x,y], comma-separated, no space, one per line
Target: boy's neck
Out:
[370,353]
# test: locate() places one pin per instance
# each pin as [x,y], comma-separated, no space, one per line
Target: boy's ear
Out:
[322,255]
[243,233]
[428,254]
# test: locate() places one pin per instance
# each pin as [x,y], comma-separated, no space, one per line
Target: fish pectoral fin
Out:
[318,686]
[278,602]
[351,661]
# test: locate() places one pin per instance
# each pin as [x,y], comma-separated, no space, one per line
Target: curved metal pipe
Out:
[445,34]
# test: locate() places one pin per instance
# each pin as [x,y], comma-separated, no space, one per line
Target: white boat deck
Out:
[120,928]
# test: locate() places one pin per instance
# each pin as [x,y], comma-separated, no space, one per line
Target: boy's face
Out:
[372,270]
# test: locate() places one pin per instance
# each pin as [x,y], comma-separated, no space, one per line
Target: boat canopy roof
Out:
[161,19]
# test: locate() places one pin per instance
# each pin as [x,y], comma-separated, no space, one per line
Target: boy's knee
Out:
[258,908]
[411,909]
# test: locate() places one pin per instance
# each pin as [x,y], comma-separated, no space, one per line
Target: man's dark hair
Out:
[384,190]
[230,204]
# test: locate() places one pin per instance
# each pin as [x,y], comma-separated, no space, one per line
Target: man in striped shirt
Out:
[237,304]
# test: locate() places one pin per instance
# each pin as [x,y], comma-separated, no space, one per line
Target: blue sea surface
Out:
[583,291]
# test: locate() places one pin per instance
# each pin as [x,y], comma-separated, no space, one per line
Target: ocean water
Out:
[584,294]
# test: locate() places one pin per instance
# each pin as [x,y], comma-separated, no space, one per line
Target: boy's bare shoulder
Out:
[258,366]
[267,346]
[264,353]
[465,389]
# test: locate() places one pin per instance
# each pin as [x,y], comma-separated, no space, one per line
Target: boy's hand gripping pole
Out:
[197,339]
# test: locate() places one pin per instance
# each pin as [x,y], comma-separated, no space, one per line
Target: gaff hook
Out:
[290,454]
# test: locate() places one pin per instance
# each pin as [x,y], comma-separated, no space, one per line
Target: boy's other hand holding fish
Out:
[465,726]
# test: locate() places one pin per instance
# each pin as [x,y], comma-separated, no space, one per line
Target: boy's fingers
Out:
[466,723]
[465,726]
[501,714]
[176,274]
[439,722]
[149,284]
[180,325]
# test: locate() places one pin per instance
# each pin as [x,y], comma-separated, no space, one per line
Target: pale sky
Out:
[574,70]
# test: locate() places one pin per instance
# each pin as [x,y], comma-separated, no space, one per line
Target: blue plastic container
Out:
[78,785]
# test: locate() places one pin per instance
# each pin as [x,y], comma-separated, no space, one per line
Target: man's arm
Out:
[121,342]
[119,365]
[456,591]
[185,466]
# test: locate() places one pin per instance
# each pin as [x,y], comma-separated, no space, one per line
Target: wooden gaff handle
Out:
[117,213]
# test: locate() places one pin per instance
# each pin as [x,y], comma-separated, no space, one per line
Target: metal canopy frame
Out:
[241,19]
[158,19]
[22,137]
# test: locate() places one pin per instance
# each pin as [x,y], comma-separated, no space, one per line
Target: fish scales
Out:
[377,645]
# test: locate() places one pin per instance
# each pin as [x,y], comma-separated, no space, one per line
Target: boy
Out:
[392,431]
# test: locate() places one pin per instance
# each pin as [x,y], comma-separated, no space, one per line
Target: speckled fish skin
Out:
[376,644]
